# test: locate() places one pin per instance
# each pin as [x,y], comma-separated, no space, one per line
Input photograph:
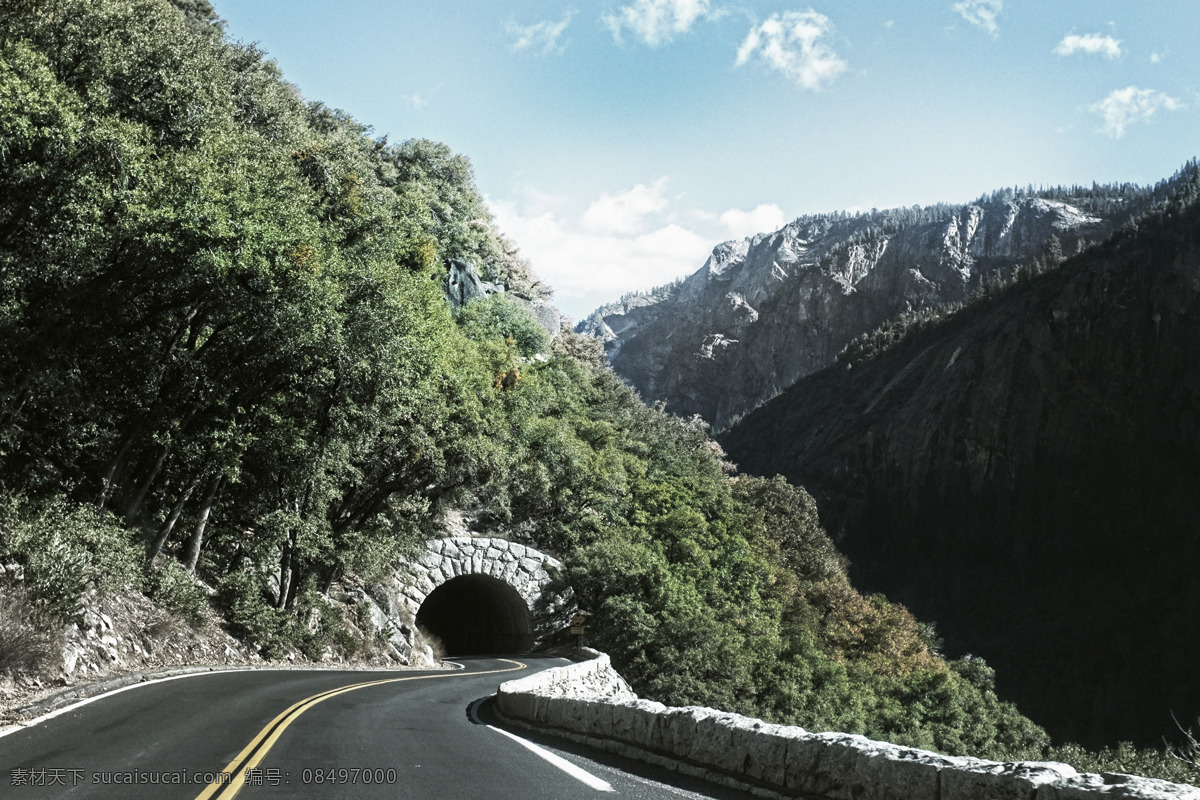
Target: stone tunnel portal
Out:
[476,615]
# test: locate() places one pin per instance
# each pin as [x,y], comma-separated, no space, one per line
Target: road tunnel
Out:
[476,615]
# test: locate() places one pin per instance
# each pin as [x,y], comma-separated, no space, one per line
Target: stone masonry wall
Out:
[521,567]
[590,702]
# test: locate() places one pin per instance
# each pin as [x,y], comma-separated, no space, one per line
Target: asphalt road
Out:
[307,734]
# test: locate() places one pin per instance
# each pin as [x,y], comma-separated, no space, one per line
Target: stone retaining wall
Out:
[590,702]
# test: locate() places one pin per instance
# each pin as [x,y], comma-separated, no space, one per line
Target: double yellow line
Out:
[261,744]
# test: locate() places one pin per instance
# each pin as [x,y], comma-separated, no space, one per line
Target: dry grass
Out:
[31,639]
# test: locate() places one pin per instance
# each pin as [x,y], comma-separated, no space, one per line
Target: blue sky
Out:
[618,142]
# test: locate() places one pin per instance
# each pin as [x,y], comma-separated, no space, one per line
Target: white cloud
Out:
[981,13]
[657,22]
[1093,43]
[418,100]
[1123,107]
[792,43]
[624,212]
[762,219]
[587,268]
[1157,57]
[541,37]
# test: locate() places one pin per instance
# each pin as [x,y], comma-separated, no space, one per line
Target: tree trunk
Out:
[135,505]
[165,533]
[192,553]
[287,566]
[111,473]
[294,588]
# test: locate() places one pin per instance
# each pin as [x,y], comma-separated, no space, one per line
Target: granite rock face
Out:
[765,311]
[463,285]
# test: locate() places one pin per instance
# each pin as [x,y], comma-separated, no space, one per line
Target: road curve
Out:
[312,734]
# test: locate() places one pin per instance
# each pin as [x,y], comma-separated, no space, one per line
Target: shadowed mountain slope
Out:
[1027,473]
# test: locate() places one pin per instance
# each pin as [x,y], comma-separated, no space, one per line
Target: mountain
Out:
[765,311]
[1025,472]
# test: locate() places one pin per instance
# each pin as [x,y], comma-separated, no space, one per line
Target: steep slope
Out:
[1026,473]
[764,311]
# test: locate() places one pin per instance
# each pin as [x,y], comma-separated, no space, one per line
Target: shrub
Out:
[501,317]
[176,590]
[65,548]
[31,639]
[1124,759]
[324,627]
[251,617]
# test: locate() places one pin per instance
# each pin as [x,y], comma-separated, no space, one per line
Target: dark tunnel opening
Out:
[477,615]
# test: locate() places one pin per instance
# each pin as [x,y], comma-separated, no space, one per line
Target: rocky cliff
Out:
[1027,474]
[764,311]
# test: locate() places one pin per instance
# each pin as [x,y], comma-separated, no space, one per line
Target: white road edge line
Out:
[20,726]
[566,766]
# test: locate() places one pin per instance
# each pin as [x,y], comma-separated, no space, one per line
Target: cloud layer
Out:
[793,43]
[624,212]
[637,238]
[1124,107]
[1092,43]
[763,218]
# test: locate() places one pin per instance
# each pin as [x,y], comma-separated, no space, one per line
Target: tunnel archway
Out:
[476,615]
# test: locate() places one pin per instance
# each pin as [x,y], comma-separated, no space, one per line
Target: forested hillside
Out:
[1025,472]
[226,356]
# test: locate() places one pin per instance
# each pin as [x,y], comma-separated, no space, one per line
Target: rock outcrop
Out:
[765,311]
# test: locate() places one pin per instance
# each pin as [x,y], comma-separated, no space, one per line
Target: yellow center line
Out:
[261,744]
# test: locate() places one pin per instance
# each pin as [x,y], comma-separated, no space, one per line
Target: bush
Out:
[324,627]
[65,548]
[1124,759]
[502,317]
[251,616]
[176,590]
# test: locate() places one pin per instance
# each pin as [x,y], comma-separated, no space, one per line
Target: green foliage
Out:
[458,217]
[1123,759]
[310,627]
[175,589]
[198,12]
[242,596]
[502,317]
[65,549]
[784,519]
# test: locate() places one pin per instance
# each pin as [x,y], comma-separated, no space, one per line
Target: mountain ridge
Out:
[764,311]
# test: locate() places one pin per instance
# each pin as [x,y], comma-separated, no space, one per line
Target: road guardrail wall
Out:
[590,703]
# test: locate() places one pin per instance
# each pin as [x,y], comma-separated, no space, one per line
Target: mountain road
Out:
[295,733]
